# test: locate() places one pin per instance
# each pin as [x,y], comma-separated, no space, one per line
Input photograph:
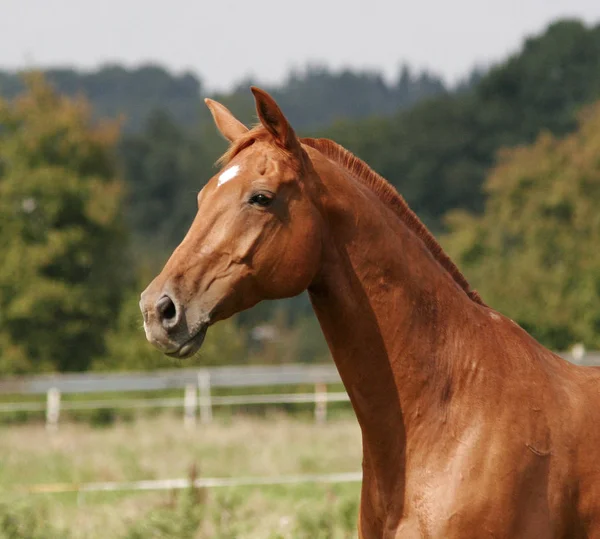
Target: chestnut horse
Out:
[470,427]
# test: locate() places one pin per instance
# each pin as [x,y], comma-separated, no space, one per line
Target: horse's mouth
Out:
[191,346]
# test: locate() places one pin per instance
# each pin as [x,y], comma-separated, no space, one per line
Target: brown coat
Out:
[470,427]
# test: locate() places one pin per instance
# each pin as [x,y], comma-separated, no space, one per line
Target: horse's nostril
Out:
[166,309]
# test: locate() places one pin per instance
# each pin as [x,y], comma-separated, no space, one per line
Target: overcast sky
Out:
[224,41]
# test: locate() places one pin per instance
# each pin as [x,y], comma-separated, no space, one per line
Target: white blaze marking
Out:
[228,174]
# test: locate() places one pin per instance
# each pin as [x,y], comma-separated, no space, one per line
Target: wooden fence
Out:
[197,385]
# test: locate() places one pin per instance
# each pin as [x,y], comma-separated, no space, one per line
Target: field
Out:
[158,447]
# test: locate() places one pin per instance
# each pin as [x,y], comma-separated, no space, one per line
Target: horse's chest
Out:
[464,499]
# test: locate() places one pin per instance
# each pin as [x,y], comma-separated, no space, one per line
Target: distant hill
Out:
[317,96]
[312,98]
[133,93]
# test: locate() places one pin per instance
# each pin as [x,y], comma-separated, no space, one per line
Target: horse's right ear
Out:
[229,126]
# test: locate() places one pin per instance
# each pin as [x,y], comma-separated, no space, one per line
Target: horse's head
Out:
[256,234]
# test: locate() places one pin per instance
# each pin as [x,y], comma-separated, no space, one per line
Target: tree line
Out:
[135,94]
[90,208]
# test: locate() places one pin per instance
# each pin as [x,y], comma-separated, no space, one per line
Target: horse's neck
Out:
[387,310]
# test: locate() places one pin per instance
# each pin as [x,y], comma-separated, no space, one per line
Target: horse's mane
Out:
[379,185]
[395,201]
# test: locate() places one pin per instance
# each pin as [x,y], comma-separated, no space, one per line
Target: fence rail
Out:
[197,385]
[243,376]
[182,483]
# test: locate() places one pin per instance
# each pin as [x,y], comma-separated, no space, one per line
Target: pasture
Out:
[159,448]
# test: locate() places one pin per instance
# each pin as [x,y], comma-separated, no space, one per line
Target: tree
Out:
[534,253]
[136,93]
[115,91]
[438,152]
[64,265]
[315,97]
[164,169]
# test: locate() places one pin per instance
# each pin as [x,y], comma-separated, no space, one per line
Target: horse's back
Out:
[573,413]
[585,447]
[552,436]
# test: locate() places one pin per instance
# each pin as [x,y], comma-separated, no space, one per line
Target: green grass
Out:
[159,447]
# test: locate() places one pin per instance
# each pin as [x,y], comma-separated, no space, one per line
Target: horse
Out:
[470,427]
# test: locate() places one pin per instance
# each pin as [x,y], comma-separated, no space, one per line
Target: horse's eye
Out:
[260,199]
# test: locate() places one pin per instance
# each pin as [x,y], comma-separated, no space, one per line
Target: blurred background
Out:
[484,115]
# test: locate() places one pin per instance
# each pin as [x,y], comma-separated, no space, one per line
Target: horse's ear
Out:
[273,120]
[229,126]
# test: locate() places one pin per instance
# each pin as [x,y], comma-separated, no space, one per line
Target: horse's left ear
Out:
[273,119]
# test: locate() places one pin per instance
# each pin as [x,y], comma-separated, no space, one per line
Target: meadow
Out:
[158,447]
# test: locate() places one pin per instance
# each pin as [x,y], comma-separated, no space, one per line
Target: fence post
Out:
[52,409]
[578,353]
[320,403]
[190,403]
[205,398]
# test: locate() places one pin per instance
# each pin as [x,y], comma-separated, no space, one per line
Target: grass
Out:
[159,447]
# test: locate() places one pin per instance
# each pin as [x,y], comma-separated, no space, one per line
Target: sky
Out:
[225,41]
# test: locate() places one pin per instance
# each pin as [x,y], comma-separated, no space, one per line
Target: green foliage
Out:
[165,169]
[544,85]
[62,241]
[534,253]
